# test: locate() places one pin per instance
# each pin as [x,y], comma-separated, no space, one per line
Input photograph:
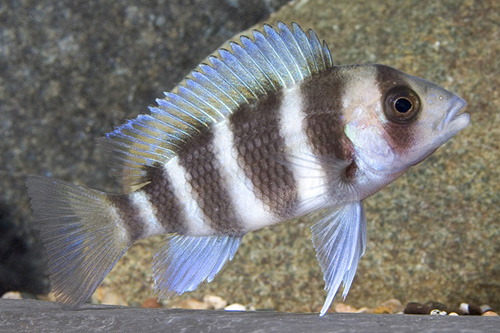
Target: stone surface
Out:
[30,316]
[69,74]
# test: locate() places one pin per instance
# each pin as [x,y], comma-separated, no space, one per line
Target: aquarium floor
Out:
[39,316]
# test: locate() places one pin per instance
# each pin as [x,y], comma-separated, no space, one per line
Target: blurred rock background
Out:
[71,71]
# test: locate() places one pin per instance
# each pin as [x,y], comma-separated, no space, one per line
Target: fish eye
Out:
[402,105]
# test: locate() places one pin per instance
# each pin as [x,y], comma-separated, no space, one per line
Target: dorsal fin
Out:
[273,60]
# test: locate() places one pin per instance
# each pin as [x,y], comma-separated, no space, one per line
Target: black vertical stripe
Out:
[130,216]
[256,129]
[403,136]
[202,168]
[161,195]
[322,101]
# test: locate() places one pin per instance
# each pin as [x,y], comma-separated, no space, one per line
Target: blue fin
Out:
[184,262]
[274,59]
[80,234]
[339,239]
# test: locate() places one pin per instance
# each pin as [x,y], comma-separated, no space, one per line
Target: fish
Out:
[262,132]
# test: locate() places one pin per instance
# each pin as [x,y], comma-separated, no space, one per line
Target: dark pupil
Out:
[402,105]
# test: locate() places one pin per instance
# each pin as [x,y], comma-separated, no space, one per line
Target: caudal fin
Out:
[80,233]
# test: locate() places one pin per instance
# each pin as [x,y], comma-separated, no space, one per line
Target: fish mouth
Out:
[455,120]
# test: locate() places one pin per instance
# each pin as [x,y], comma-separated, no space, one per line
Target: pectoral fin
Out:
[339,239]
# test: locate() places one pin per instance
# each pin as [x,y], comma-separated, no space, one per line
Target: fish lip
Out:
[454,114]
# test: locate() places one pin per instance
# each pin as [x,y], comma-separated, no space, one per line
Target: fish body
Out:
[264,133]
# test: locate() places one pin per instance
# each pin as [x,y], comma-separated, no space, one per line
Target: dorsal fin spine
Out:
[167,105]
[294,51]
[161,127]
[184,93]
[234,63]
[326,56]
[227,65]
[258,73]
[213,102]
[205,84]
[304,45]
[273,58]
[228,89]
[317,50]
[230,77]
[160,115]
[256,52]
[281,49]
[176,103]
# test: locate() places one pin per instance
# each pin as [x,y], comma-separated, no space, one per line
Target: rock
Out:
[235,307]
[30,315]
[393,304]
[490,314]
[470,309]
[383,310]
[344,308]
[364,309]
[190,304]
[111,298]
[437,305]
[417,308]
[50,297]
[485,308]
[215,302]
[151,302]
[475,310]
[12,295]
[437,312]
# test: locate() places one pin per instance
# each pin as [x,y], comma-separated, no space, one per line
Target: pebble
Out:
[152,303]
[437,312]
[394,305]
[235,307]
[490,314]
[50,297]
[104,296]
[470,309]
[417,308]
[12,295]
[113,299]
[485,308]
[344,308]
[364,309]
[215,302]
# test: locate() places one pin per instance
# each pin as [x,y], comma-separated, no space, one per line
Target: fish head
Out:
[396,120]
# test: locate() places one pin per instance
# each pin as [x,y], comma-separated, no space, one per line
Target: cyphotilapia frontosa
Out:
[265,132]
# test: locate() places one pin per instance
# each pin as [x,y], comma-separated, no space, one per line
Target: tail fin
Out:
[81,235]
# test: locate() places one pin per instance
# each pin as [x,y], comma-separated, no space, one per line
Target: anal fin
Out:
[184,262]
[339,239]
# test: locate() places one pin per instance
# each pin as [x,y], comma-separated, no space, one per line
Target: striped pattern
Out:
[217,152]
[323,103]
[130,216]
[273,60]
[308,172]
[257,138]
[261,166]
[208,188]
[194,219]
[163,200]
[252,212]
